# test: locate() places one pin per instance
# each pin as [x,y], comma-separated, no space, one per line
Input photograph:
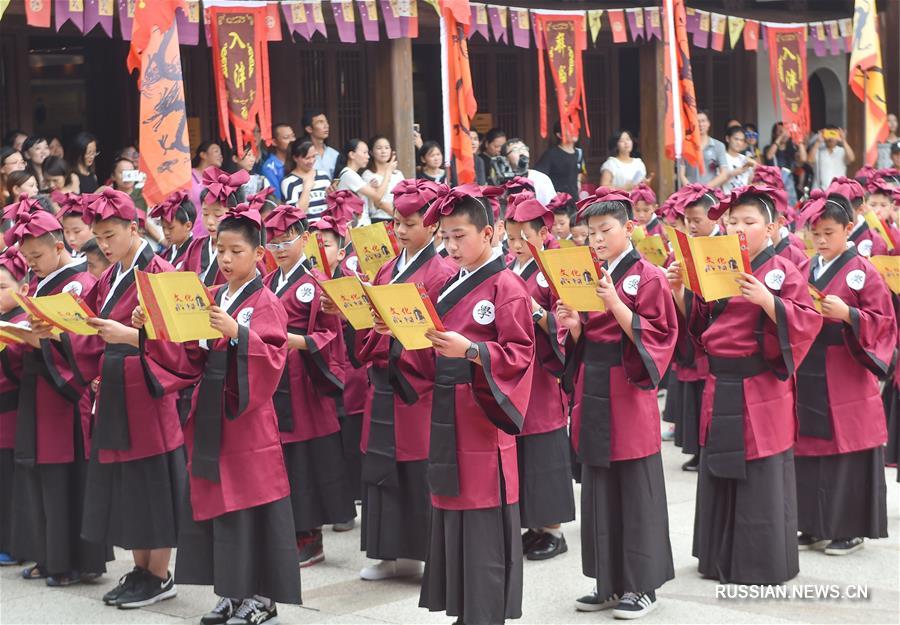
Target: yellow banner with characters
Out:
[405,312]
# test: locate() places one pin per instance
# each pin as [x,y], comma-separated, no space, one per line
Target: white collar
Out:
[860,221]
[822,266]
[284,277]
[402,262]
[611,265]
[715,231]
[55,273]
[465,273]
[133,260]
[518,269]
[229,300]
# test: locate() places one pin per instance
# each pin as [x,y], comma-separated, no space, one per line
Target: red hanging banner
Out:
[241,69]
[564,38]
[787,67]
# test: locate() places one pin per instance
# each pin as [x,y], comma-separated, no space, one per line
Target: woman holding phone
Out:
[382,166]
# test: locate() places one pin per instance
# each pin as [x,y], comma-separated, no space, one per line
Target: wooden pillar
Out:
[890,52]
[393,100]
[653,113]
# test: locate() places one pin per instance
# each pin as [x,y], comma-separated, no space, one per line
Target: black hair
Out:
[29,143]
[298,147]
[536,224]
[279,125]
[80,145]
[427,147]
[5,152]
[889,178]
[250,232]
[50,238]
[309,115]
[203,147]
[617,209]
[186,212]
[614,142]
[837,208]
[17,179]
[233,200]
[10,137]
[372,166]
[704,112]
[733,130]
[764,204]
[478,209]
[344,157]
[491,135]
[55,166]
[751,128]
[706,202]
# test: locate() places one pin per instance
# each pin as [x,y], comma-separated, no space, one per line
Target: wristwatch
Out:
[472,351]
[537,315]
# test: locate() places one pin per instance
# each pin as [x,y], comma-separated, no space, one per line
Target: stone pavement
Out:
[333,592]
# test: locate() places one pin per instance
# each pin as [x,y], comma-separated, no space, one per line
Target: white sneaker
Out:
[386,569]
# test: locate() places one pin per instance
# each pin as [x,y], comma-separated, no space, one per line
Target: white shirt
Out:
[213,252]
[402,262]
[53,274]
[121,274]
[624,173]
[822,266]
[352,181]
[371,178]
[543,186]
[733,163]
[327,160]
[229,298]
[518,269]
[828,166]
[465,273]
[283,278]
[611,265]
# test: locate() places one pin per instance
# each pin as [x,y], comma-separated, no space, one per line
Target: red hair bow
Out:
[12,260]
[411,195]
[444,205]
[642,192]
[34,224]
[221,185]
[281,219]
[107,204]
[168,208]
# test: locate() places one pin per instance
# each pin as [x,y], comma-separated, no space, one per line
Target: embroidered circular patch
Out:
[774,279]
[541,280]
[856,279]
[244,317]
[630,284]
[74,287]
[483,312]
[353,263]
[305,293]
[865,248]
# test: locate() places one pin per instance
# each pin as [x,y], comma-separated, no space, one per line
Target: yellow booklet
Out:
[8,338]
[374,246]
[176,305]
[889,268]
[564,243]
[63,311]
[407,311]
[878,226]
[315,252]
[710,265]
[348,295]
[573,275]
[653,248]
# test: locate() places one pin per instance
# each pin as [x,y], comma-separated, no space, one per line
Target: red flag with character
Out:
[682,131]
[459,96]
[787,68]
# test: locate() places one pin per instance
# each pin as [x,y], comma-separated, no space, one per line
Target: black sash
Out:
[282,397]
[26,421]
[212,267]
[379,466]
[828,275]
[725,452]
[443,470]
[856,234]
[812,385]
[112,409]
[594,435]
[211,402]
[127,280]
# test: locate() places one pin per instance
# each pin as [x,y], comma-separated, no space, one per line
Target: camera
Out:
[504,172]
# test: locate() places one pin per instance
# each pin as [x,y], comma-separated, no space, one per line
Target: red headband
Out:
[168,208]
[244,211]
[22,206]
[559,202]
[519,182]
[863,174]
[328,222]
[444,205]
[343,205]
[812,209]
[220,185]
[642,192]
[769,176]
[848,187]
[411,196]
[12,260]
[523,207]
[34,224]
[604,194]
[108,204]
[775,201]
[281,219]
[70,204]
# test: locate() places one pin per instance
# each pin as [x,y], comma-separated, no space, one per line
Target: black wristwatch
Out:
[472,351]
[537,315]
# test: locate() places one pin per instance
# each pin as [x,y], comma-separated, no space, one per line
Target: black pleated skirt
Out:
[625,526]
[395,518]
[672,411]
[320,494]
[242,553]
[135,504]
[842,496]
[745,531]
[351,431]
[545,479]
[573,457]
[687,425]
[474,566]
[7,470]
[891,398]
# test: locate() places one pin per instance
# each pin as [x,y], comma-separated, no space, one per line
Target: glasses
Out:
[279,247]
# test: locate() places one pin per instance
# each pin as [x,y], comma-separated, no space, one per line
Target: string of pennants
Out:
[502,24]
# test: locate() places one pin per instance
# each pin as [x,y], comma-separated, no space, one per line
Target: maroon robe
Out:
[655,226]
[176,255]
[235,458]
[630,427]
[797,242]
[137,416]
[868,241]
[547,408]
[311,379]
[843,412]
[894,233]
[411,426]
[478,410]
[198,259]
[793,253]
[734,330]
[10,381]
[356,379]
[50,393]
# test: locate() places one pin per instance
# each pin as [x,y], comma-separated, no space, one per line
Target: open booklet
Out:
[315,254]
[889,268]
[651,246]
[407,310]
[710,265]
[63,311]
[374,246]
[350,297]
[176,306]
[572,274]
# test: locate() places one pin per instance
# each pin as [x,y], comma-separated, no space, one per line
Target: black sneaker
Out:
[126,583]
[808,542]
[843,547]
[692,465]
[547,546]
[528,539]
[310,549]
[635,605]
[223,611]
[253,612]
[149,590]
[593,602]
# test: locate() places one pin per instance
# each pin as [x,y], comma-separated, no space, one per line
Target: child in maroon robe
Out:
[867,241]
[136,474]
[840,456]
[483,373]
[305,398]
[395,436]
[177,215]
[614,362]
[643,199]
[561,206]
[75,231]
[546,498]
[13,279]
[883,198]
[237,529]
[746,520]
[51,464]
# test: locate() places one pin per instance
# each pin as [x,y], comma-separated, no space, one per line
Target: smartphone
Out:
[131,175]
[416,128]
[831,133]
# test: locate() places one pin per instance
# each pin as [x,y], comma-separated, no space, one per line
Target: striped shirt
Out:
[292,188]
